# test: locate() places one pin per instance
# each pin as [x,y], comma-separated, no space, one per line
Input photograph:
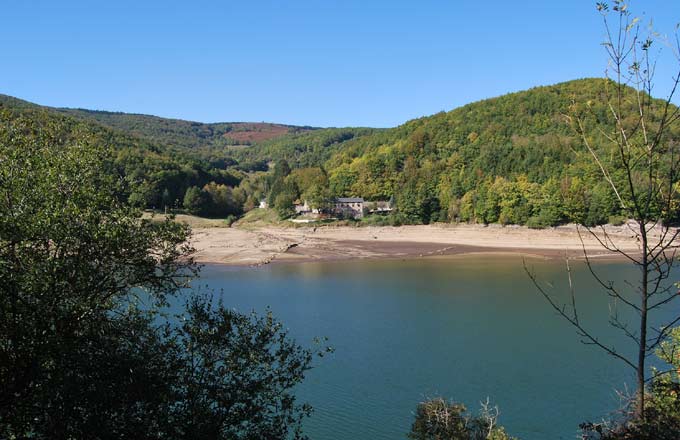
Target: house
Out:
[349,207]
[301,207]
[264,204]
[379,207]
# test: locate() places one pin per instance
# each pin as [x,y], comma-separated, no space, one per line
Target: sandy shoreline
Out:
[254,247]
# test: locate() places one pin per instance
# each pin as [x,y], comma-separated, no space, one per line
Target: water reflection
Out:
[466,328]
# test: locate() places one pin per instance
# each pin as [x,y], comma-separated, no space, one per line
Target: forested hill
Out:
[174,132]
[187,134]
[511,159]
[508,159]
[162,158]
[156,173]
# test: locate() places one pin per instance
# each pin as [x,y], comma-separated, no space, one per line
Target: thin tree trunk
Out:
[642,349]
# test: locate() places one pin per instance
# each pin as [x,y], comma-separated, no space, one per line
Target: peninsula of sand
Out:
[273,244]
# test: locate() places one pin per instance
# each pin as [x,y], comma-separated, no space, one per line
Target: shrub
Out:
[438,419]
[536,222]
[662,408]
[617,220]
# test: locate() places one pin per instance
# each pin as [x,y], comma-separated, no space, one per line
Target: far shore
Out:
[270,244]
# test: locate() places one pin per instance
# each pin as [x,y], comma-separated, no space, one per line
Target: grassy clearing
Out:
[257,218]
[191,220]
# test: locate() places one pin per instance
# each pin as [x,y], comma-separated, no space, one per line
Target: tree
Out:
[85,349]
[639,164]
[662,412]
[221,200]
[166,199]
[278,182]
[237,374]
[196,201]
[283,204]
[70,253]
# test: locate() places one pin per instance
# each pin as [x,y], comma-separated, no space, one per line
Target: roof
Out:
[349,200]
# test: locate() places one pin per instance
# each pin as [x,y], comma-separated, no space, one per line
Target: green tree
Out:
[222,200]
[70,253]
[283,204]
[85,349]
[196,201]
[662,407]
[237,374]
[166,199]
[278,181]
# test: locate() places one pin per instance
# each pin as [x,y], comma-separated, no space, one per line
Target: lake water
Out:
[465,328]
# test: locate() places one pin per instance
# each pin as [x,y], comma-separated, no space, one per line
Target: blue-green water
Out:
[463,328]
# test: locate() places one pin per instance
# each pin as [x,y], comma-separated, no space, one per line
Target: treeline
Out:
[302,149]
[183,134]
[175,165]
[513,159]
[155,176]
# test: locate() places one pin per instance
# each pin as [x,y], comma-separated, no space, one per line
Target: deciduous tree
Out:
[640,164]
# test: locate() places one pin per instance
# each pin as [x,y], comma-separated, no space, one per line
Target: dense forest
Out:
[514,159]
[186,134]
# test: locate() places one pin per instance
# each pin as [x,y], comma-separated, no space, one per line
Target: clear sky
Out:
[322,63]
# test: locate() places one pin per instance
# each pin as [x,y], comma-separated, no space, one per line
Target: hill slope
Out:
[510,159]
[172,132]
[187,134]
[156,173]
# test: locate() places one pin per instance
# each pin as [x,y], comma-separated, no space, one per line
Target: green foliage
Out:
[85,347]
[510,159]
[223,200]
[195,201]
[301,149]
[662,405]
[244,368]
[437,419]
[507,159]
[70,253]
[283,204]
[185,134]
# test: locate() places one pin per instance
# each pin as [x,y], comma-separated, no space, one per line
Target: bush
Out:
[438,419]
[376,220]
[536,222]
[230,220]
[662,406]
[617,220]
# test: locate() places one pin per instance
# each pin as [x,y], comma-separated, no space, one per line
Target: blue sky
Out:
[323,63]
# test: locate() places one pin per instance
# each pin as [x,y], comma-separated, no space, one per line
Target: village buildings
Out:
[345,207]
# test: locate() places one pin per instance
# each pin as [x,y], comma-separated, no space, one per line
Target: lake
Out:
[464,328]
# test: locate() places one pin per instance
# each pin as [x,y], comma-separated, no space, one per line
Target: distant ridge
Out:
[173,132]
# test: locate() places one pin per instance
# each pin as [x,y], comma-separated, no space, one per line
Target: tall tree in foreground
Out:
[640,166]
[85,348]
